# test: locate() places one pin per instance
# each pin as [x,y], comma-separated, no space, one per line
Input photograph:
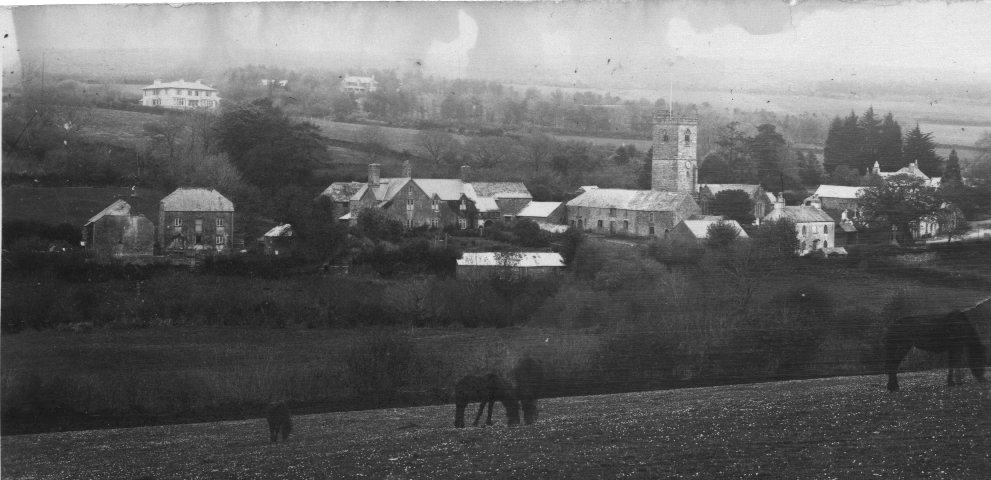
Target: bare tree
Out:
[372,139]
[539,149]
[491,151]
[167,132]
[437,145]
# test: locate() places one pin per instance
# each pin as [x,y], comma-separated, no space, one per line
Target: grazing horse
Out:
[529,378]
[485,390]
[279,421]
[953,333]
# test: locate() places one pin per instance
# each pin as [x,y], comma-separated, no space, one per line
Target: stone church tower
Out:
[674,166]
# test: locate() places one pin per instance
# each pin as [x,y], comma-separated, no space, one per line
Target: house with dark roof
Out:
[116,233]
[340,193]
[814,227]
[196,220]
[631,212]
[438,202]
[762,200]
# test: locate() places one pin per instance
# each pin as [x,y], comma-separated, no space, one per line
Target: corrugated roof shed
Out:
[799,214]
[645,200]
[839,191]
[196,200]
[525,259]
[539,209]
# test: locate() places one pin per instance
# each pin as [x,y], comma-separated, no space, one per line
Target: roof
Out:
[552,227]
[486,204]
[700,228]
[284,230]
[838,191]
[119,207]
[539,209]
[646,200]
[720,187]
[799,214]
[445,188]
[526,259]
[196,200]
[342,191]
[181,84]
[501,189]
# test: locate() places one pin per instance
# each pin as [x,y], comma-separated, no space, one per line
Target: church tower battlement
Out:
[674,166]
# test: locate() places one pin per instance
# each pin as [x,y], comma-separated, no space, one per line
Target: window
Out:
[462,223]
[651,229]
[464,206]
[177,222]
[626,225]
[409,204]
[197,93]
[612,212]
[156,102]
[409,192]
[179,101]
[409,223]
[688,137]
[198,225]
[825,244]
[194,103]
[652,219]
[434,222]
[803,229]
[220,239]
[825,229]
[664,136]
[599,225]
[220,222]
[435,204]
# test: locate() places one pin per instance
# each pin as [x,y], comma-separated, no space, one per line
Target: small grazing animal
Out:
[279,421]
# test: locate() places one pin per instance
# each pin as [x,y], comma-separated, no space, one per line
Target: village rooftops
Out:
[521,260]
[839,191]
[180,84]
[196,200]
[799,214]
[644,200]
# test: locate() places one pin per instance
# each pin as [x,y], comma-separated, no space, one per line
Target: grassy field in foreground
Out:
[847,427]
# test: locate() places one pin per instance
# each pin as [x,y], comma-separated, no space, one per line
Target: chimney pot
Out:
[374,170]
[407,169]
[466,173]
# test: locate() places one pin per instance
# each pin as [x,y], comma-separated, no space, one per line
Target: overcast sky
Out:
[591,40]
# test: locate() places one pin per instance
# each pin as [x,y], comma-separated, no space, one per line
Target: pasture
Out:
[845,427]
[73,205]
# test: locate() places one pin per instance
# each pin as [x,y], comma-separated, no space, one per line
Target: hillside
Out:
[847,427]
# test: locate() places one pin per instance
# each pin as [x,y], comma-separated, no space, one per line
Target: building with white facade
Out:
[180,95]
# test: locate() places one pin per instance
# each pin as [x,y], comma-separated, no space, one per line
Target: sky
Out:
[591,42]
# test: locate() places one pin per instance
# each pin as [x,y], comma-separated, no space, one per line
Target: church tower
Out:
[674,166]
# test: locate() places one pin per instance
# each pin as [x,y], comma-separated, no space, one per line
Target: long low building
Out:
[633,212]
[516,264]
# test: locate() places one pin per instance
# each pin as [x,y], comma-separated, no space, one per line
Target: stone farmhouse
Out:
[194,220]
[814,227]
[180,95]
[654,212]
[115,233]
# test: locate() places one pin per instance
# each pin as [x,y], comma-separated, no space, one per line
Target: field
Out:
[116,127]
[847,427]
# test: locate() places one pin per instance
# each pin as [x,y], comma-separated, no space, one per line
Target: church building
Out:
[654,212]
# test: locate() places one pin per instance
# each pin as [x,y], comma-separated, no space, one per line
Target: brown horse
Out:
[279,421]
[485,390]
[952,333]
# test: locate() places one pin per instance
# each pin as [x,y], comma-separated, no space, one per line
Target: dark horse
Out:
[485,390]
[953,333]
[529,378]
[279,421]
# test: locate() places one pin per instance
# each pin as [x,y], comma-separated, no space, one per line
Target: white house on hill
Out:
[180,95]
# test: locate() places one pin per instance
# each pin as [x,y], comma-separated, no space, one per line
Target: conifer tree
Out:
[951,174]
[919,147]
[890,145]
[870,127]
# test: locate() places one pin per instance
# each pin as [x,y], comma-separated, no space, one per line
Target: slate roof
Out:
[342,192]
[284,230]
[527,259]
[445,188]
[838,191]
[501,189]
[486,204]
[119,207]
[181,84]
[645,200]
[196,200]
[799,214]
[539,209]
[700,228]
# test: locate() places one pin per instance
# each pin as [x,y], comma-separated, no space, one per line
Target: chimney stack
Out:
[816,201]
[373,174]
[466,173]
[779,203]
[407,169]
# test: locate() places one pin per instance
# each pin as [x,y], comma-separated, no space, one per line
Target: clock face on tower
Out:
[688,164]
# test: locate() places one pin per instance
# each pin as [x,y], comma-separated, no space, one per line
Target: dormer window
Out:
[464,206]
[435,204]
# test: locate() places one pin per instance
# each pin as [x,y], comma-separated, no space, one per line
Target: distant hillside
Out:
[847,427]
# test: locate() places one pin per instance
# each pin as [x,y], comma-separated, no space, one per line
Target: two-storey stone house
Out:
[194,220]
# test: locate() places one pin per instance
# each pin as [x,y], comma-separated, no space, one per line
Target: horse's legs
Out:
[488,420]
[953,361]
[478,416]
[894,353]
[459,414]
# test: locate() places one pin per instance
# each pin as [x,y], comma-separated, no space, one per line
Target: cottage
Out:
[180,95]
[196,220]
[511,264]
[911,170]
[115,233]
[697,231]
[632,212]
[814,228]
[510,197]
[280,240]
[763,202]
